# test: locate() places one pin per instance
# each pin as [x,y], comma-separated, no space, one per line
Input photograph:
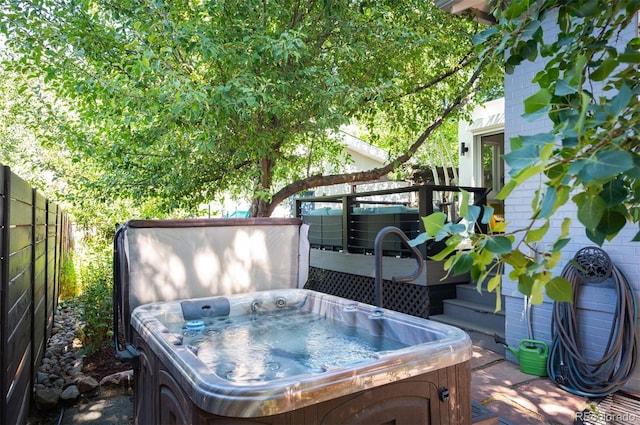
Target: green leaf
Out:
[629,56]
[536,235]
[560,243]
[420,239]
[595,236]
[590,210]
[464,203]
[484,35]
[525,283]
[606,164]
[462,264]
[552,261]
[614,193]
[434,223]
[620,101]
[548,202]
[557,173]
[506,190]
[537,293]
[584,9]
[532,27]
[473,214]
[559,289]
[562,197]
[498,245]
[529,50]
[546,152]
[514,9]
[522,158]
[612,222]
[498,299]
[565,227]
[527,173]
[516,259]
[444,253]
[455,228]
[487,213]
[565,87]
[537,102]
[585,102]
[484,257]
[494,282]
[605,68]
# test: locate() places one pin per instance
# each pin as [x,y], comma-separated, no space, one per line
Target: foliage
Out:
[181,101]
[94,263]
[589,90]
[68,279]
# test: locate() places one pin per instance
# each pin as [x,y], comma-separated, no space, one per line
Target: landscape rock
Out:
[60,379]
[48,398]
[117,379]
[41,377]
[70,394]
[60,366]
[87,384]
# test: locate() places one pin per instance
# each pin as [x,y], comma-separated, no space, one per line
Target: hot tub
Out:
[212,316]
[296,356]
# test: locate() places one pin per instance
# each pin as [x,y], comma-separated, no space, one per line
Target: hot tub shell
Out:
[419,383]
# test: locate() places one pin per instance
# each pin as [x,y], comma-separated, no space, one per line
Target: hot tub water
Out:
[264,346]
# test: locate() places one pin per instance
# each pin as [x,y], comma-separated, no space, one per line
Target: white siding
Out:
[596,303]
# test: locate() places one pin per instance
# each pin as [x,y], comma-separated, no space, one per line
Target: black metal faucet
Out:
[378,261]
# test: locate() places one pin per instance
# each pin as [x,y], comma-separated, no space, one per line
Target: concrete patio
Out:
[498,388]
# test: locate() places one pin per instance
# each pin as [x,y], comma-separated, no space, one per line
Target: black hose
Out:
[569,368]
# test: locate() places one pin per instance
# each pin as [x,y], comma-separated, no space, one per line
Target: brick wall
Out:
[596,303]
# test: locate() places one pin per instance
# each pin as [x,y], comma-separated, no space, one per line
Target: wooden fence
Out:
[34,238]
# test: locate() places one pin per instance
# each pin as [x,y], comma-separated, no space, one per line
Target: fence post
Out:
[5,184]
[347,212]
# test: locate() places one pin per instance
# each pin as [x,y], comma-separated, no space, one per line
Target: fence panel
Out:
[52,269]
[18,325]
[39,280]
[4,277]
[31,251]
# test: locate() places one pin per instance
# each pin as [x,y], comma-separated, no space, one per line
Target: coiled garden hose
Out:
[567,366]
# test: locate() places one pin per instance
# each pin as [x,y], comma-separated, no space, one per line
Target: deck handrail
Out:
[425,205]
[378,294]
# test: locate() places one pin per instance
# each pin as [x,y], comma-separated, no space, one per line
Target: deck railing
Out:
[350,222]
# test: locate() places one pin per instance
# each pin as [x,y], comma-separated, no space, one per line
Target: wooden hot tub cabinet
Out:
[411,401]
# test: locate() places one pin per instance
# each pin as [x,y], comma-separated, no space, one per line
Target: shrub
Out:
[95,302]
[68,280]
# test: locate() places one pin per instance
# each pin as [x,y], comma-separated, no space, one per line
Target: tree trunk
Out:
[259,206]
[262,208]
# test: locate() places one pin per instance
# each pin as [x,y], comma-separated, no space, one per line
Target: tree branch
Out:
[360,176]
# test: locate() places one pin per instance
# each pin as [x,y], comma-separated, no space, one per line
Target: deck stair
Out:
[475,313]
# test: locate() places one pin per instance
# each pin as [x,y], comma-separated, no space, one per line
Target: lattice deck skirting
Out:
[403,297]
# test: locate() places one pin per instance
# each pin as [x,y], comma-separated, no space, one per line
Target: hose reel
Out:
[594,264]
[567,366]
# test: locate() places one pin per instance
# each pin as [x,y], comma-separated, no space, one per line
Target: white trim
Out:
[364,148]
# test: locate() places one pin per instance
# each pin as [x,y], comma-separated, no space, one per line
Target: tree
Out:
[182,101]
[589,89]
